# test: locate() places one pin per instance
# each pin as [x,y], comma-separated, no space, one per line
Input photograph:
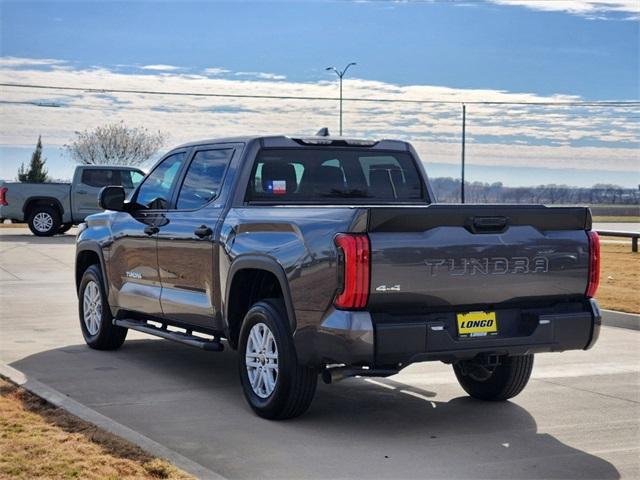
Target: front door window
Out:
[155,191]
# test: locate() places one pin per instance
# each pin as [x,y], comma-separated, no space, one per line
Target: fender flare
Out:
[91,246]
[268,264]
[52,200]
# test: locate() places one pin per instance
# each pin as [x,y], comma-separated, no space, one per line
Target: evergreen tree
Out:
[36,172]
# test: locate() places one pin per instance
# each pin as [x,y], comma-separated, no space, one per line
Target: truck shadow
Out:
[191,401]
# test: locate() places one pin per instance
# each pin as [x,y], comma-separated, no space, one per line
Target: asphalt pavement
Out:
[579,417]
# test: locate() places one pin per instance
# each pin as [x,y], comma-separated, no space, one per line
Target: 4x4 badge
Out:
[384,288]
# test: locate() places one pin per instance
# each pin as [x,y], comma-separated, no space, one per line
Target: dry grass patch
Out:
[38,440]
[619,278]
[13,225]
[617,218]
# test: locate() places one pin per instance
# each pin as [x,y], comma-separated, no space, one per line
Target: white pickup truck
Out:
[51,208]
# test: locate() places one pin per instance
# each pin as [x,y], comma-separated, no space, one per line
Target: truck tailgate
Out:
[475,255]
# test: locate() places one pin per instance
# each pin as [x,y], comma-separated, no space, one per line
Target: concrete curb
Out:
[613,318]
[87,414]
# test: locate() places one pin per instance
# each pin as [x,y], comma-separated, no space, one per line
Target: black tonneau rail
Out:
[480,218]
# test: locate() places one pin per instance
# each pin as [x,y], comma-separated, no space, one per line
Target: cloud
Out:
[215,71]
[595,9]
[553,136]
[161,68]
[261,75]
[28,62]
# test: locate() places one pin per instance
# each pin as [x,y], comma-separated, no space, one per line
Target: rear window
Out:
[340,176]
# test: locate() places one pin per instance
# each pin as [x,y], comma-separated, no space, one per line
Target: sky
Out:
[550,51]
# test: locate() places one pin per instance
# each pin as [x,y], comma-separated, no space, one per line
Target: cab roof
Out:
[284,141]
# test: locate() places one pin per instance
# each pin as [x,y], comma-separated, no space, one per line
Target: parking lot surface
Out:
[579,417]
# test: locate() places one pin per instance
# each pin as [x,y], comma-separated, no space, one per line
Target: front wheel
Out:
[65,227]
[501,382]
[274,384]
[96,320]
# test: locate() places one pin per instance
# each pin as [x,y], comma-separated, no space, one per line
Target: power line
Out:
[113,107]
[35,104]
[605,104]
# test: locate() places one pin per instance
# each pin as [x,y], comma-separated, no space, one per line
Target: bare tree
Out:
[115,144]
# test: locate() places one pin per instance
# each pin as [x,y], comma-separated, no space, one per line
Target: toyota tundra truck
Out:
[50,208]
[329,257]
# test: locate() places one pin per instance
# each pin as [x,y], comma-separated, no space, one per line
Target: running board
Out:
[180,337]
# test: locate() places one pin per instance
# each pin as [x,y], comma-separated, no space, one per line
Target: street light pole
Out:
[464,128]
[341,103]
[340,74]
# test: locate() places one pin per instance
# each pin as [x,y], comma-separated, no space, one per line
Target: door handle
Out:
[81,192]
[151,230]
[203,231]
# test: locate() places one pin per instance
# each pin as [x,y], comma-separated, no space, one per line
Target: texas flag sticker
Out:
[279,187]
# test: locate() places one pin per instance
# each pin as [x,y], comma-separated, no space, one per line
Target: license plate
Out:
[477,324]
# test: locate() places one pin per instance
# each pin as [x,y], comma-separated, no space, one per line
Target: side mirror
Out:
[112,198]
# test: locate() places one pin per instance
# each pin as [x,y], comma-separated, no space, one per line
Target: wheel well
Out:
[41,202]
[248,287]
[84,260]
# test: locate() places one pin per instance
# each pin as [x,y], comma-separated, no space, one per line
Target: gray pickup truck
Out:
[326,256]
[50,208]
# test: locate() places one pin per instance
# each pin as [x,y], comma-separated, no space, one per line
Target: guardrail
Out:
[632,235]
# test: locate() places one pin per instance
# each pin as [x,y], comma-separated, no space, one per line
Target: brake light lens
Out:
[594,264]
[3,196]
[355,255]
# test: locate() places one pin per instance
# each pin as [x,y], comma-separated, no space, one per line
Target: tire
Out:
[97,328]
[286,390]
[506,381]
[44,221]
[65,227]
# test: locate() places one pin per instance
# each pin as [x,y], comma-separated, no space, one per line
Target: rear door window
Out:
[203,179]
[100,177]
[316,175]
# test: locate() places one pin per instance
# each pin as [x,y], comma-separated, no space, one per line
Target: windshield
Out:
[342,175]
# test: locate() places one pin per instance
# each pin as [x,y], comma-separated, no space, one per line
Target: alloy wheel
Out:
[261,360]
[42,222]
[92,307]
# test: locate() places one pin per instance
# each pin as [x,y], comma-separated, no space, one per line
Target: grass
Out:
[13,225]
[596,218]
[38,440]
[619,278]
[616,219]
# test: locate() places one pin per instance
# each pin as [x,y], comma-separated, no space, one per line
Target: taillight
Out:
[3,196]
[355,270]
[594,264]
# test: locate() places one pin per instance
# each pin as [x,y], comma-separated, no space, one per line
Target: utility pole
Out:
[340,75]
[464,126]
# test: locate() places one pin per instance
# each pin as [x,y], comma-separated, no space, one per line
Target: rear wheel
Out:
[98,330]
[499,382]
[44,221]
[274,384]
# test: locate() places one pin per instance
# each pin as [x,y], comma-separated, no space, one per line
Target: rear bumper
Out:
[389,341]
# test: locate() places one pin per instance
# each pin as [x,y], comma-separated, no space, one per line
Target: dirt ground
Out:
[619,278]
[38,440]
